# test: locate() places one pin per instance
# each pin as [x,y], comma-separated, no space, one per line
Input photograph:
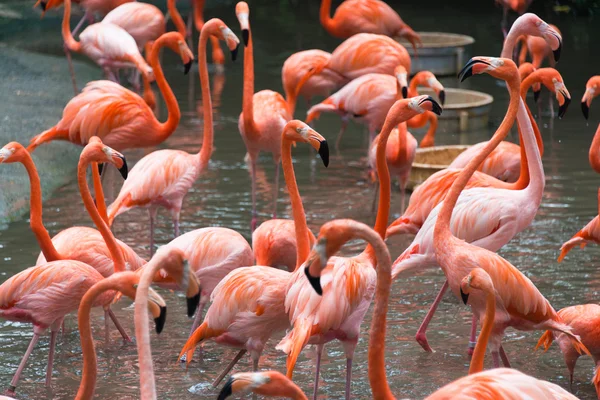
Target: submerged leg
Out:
[421,337]
[15,379]
[118,325]
[276,190]
[229,367]
[318,369]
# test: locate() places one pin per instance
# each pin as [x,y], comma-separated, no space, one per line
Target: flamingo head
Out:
[553,81]
[592,89]
[242,11]
[477,279]
[96,151]
[298,131]
[12,152]
[531,24]
[402,77]
[500,68]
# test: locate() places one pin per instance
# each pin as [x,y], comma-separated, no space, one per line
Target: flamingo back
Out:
[144,22]
[373,16]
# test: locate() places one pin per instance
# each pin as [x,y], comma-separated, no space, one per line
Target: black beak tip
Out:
[227,390]
[464,297]
[187,66]
[43,5]
[324,152]
[192,304]
[442,97]
[245,37]
[160,321]
[404,92]
[234,52]
[536,95]
[124,170]
[100,168]
[435,107]
[315,282]
[585,109]
[556,52]
[562,110]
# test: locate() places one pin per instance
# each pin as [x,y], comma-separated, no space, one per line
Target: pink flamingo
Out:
[365,16]
[349,281]
[427,79]
[115,114]
[589,233]
[163,178]
[43,295]
[248,304]
[591,90]
[521,306]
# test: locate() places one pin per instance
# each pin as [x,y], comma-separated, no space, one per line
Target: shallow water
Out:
[222,197]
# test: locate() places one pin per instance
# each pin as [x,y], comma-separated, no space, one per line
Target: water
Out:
[222,197]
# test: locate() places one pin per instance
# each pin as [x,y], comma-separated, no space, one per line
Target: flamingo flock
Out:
[288,284]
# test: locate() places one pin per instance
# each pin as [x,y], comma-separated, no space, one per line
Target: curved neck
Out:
[166,128]
[509,43]
[99,192]
[35,212]
[248,96]
[207,141]
[442,233]
[300,226]
[88,374]
[199,14]
[595,151]
[176,17]
[527,127]
[88,202]
[525,85]
[484,335]
[429,138]
[70,42]
[325,17]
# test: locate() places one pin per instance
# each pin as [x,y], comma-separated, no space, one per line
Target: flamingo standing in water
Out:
[496,383]
[521,306]
[248,304]
[118,115]
[163,178]
[349,281]
[365,16]
[43,295]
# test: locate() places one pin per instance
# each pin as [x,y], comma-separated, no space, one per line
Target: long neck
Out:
[302,237]
[248,97]
[88,374]
[509,43]
[525,86]
[142,332]
[532,149]
[71,43]
[199,14]
[176,17]
[88,202]
[429,138]
[484,335]
[35,212]
[595,151]
[207,141]
[166,128]
[442,233]
[99,193]
[325,16]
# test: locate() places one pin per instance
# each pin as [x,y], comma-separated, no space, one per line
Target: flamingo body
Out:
[503,163]
[144,22]
[297,65]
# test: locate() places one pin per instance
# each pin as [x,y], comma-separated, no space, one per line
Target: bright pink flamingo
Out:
[248,304]
[365,16]
[521,305]
[118,115]
[91,8]
[589,233]
[349,282]
[44,294]
[264,115]
[163,178]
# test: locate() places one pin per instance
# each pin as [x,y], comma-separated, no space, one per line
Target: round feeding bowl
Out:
[464,109]
[441,53]
[429,160]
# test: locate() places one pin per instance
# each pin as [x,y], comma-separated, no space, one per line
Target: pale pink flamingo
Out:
[589,233]
[365,16]
[163,177]
[521,305]
[117,115]
[248,304]
[349,282]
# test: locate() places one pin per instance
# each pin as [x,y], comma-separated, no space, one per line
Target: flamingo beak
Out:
[315,281]
[467,70]
[442,96]
[404,92]
[187,66]
[227,389]
[435,107]
[123,170]
[464,296]
[563,108]
[324,152]
[234,52]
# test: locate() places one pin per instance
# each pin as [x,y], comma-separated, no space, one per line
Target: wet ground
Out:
[222,197]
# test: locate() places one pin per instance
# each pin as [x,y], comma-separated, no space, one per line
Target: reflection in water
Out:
[221,198]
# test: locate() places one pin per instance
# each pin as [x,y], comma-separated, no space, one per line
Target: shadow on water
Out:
[222,197]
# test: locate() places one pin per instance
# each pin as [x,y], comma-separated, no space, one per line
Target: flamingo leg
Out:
[51,358]
[317,373]
[71,70]
[276,190]
[254,369]
[176,223]
[473,337]
[504,358]
[495,359]
[223,374]
[118,325]
[253,173]
[341,133]
[348,377]
[15,379]
[152,214]
[79,25]
[421,337]
[198,317]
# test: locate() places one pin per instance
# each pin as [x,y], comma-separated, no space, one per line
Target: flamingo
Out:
[163,178]
[591,91]
[504,162]
[349,281]
[264,115]
[218,58]
[494,384]
[521,306]
[589,233]
[366,16]
[248,304]
[538,48]
[43,295]
[118,115]
[427,79]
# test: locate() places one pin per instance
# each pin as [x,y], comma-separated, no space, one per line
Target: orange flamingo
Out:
[264,115]
[538,48]
[591,90]
[589,233]
[118,115]
[44,294]
[350,281]
[365,16]
[163,178]
[522,306]
[427,79]
[125,283]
